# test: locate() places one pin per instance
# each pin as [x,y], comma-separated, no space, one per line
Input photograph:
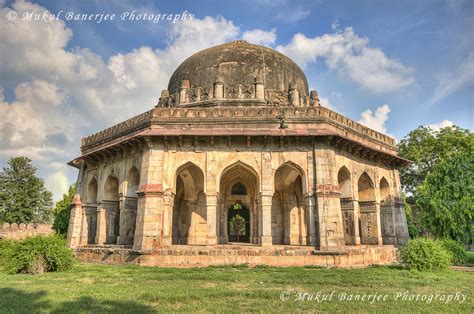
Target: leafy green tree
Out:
[446,197]
[62,211]
[426,148]
[23,197]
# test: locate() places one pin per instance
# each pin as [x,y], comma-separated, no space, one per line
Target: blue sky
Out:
[393,65]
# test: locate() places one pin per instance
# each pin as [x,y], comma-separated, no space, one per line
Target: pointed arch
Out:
[366,189]
[289,221]
[111,189]
[110,203]
[238,174]
[190,205]
[192,177]
[344,182]
[384,189]
[239,167]
[133,181]
[92,189]
[297,171]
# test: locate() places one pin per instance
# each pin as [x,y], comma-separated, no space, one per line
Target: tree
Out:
[23,197]
[446,198]
[62,211]
[426,148]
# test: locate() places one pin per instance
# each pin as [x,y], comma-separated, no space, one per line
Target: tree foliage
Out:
[62,211]
[426,148]
[440,179]
[446,198]
[23,197]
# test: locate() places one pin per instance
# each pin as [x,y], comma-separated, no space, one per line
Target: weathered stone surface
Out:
[221,161]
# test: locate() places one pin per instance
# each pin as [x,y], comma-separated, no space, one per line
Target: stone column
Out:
[167,215]
[356,223]
[150,200]
[75,222]
[331,231]
[311,215]
[84,227]
[266,218]
[211,202]
[101,235]
[122,220]
[266,200]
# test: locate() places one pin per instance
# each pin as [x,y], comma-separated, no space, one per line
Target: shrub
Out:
[37,255]
[425,254]
[456,250]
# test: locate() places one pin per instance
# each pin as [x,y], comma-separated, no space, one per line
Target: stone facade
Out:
[262,164]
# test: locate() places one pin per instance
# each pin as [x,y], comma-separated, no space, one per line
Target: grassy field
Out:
[101,288]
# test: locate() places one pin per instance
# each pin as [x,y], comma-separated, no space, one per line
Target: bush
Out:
[36,255]
[457,251]
[425,254]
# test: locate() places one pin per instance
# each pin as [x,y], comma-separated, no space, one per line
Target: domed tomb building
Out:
[238,153]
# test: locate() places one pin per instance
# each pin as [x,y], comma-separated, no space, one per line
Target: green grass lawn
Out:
[102,288]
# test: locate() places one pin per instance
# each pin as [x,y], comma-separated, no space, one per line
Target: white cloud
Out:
[350,55]
[293,15]
[375,120]
[58,184]
[325,103]
[61,95]
[451,81]
[260,37]
[438,126]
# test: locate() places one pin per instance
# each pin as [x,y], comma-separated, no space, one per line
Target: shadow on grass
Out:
[18,301]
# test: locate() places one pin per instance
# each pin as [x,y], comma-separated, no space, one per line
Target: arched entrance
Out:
[237,212]
[128,213]
[347,205]
[289,215]
[91,211]
[369,222]
[111,205]
[238,223]
[189,221]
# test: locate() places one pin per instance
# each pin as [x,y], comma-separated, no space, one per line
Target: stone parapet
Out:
[263,117]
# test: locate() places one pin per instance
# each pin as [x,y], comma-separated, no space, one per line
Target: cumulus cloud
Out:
[325,103]
[260,37]
[351,56]
[438,126]
[375,120]
[61,95]
[451,81]
[57,183]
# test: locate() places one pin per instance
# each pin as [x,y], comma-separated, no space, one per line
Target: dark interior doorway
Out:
[238,223]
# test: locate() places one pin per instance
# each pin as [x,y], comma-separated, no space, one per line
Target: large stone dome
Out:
[239,63]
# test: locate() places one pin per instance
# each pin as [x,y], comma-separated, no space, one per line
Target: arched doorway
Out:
[289,215]
[368,223]
[189,223]
[111,205]
[238,223]
[384,190]
[129,211]
[91,211]
[238,207]
[347,205]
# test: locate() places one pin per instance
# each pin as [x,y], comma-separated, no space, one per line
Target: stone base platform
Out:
[203,256]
